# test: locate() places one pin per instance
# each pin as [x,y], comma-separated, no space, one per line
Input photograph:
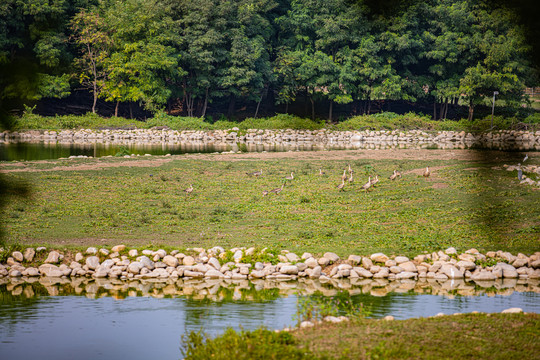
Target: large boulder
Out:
[92,262]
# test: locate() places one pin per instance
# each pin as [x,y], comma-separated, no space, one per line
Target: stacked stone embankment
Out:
[216,263]
[451,139]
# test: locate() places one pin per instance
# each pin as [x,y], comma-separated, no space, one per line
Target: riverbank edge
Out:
[119,262]
[526,139]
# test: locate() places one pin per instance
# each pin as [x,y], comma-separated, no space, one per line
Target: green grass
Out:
[464,204]
[471,336]
[381,121]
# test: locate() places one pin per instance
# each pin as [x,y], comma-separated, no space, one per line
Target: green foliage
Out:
[256,344]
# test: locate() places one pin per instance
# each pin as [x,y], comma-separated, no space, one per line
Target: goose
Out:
[350,170]
[394,175]
[341,186]
[344,176]
[526,157]
[265,192]
[367,185]
[376,180]
[278,190]
[256,173]
[351,178]
[189,190]
[426,172]
[321,173]
[290,177]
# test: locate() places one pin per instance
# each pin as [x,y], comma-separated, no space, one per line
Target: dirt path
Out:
[343,155]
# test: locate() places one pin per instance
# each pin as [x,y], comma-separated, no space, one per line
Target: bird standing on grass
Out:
[290,177]
[376,180]
[344,176]
[321,173]
[351,178]
[426,172]
[265,192]
[189,190]
[395,175]
[525,158]
[341,186]
[278,190]
[256,173]
[367,185]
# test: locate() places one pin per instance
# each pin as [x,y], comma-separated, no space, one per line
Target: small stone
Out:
[170,261]
[292,257]
[133,253]
[135,267]
[306,324]
[92,262]
[467,265]
[405,275]
[161,253]
[214,274]
[18,256]
[29,254]
[379,257]
[32,271]
[363,272]
[79,257]
[512,311]
[408,266]
[367,263]
[104,251]
[91,251]
[50,270]
[331,256]
[450,251]
[388,318]
[188,261]
[508,271]
[354,259]
[214,263]
[311,262]
[401,259]
[118,248]
[289,270]
[53,258]
[451,271]
[483,276]
[323,261]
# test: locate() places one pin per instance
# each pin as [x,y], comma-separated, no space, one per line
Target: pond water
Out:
[26,151]
[101,325]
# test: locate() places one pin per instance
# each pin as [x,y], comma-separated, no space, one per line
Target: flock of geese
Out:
[345,177]
[350,179]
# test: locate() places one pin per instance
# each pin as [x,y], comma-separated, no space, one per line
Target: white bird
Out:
[395,175]
[256,173]
[344,176]
[290,177]
[376,180]
[526,157]
[321,173]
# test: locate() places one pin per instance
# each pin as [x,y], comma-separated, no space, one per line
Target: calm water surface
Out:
[76,327]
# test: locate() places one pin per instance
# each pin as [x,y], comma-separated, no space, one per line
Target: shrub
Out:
[238,345]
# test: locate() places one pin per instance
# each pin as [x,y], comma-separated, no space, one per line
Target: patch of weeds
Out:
[122,151]
[256,344]
[163,178]
[304,200]
[166,204]
[306,234]
[317,306]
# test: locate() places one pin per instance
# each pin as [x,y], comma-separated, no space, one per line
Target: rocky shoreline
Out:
[502,139]
[242,264]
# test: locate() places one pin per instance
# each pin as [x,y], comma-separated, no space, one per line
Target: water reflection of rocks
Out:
[219,290]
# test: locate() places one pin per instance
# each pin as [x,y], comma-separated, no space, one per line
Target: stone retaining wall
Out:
[497,139]
[216,263]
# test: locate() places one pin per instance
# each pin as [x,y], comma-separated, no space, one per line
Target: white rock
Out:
[50,270]
[408,266]
[188,261]
[306,324]
[29,254]
[289,270]
[311,262]
[467,265]
[133,253]
[79,257]
[170,261]
[53,258]
[401,259]
[92,262]
[451,271]
[379,257]
[331,256]
[213,274]
[292,257]
[118,248]
[91,251]
[354,259]
[18,256]
[512,310]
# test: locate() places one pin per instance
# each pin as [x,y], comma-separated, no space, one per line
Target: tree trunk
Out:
[130,111]
[205,103]
[232,103]
[286,108]
[446,108]
[116,109]
[330,111]
[435,109]
[369,107]
[312,109]
[471,111]
[95,97]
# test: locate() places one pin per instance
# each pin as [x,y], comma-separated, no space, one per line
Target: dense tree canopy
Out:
[181,55]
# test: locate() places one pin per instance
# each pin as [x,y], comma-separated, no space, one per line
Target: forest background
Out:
[210,58]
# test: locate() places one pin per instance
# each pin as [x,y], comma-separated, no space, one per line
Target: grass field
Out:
[140,202]
[471,336]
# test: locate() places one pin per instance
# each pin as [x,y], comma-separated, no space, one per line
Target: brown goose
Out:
[321,173]
[189,190]
[256,173]
[341,186]
[344,176]
[367,185]
[351,178]
[278,190]
[290,177]
[374,181]
[395,175]
[426,172]
[265,192]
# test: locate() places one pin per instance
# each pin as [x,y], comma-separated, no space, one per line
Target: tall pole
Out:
[493,108]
